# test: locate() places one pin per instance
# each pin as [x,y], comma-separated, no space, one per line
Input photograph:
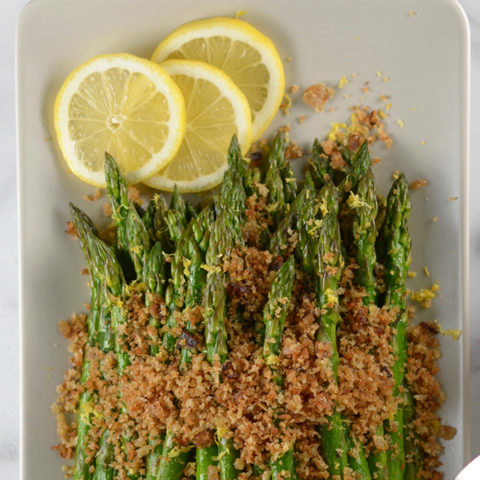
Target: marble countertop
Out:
[9,355]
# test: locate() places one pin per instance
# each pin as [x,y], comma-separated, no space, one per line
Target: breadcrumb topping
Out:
[94,196]
[317,95]
[422,366]
[241,398]
[71,230]
[417,184]
[366,124]
[366,361]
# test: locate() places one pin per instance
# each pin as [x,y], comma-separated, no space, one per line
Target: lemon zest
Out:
[271,359]
[317,224]
[454,333]
[176,451]
[336,130]
[240,13]
[136,249]
[353,201]
[424,296]
[286,103]
[86,410]
[332,298]
[323,206]
[342,82]
[186,265]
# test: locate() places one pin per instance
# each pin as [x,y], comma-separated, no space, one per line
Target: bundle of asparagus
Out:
[176,253]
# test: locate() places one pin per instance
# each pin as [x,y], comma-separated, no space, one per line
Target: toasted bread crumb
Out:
[94,196]
[419,183]
[71,230]
[317,95]
[134,195]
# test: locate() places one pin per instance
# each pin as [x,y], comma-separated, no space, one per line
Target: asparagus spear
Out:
[215,311]
[365,234]
[231,202]
[307,226]
[149,218]
[155,223]
[191,211]
[290,185]
[413,453]
[175,292]
[357,169]
[175,219]
[170,228]
[110,271]
[205,458]
[138,240]
[328,266]
[107,278]
[166,463]
[155,277]
[398,244]
[81,467]
[160,224]
[253,177]
[173,461]
[201,227]
[274,314]
[117,189]
[161,463]
[226,232]
[155,280]
[279,179]
[320,165]
[197,275]
[176,216]
[298,213]
[364,237]
[139,245]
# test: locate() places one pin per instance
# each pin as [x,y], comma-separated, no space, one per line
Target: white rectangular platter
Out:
[414,51]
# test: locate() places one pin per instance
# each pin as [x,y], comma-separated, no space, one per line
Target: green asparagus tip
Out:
[81,220]
[329,197]
[234,157]
[277,150]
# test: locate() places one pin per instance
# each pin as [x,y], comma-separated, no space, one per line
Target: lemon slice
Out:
[242,52]
[216,109]
[123,105]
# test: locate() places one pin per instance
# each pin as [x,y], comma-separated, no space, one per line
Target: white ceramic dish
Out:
[426,59]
